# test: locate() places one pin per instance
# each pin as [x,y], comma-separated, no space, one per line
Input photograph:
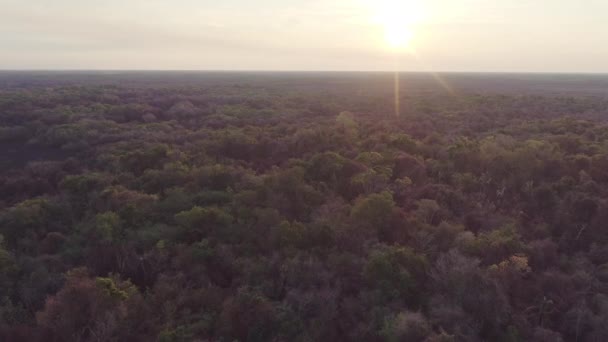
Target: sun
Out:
[398,37]
[397,19]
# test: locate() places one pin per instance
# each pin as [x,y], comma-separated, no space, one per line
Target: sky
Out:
[442,35]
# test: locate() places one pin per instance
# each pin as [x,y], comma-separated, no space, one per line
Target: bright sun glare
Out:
[397,18]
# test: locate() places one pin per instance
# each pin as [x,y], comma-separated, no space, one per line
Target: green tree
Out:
[373,213]
[396,273]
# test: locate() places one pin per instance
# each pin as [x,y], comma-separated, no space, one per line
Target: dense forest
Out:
[301,208]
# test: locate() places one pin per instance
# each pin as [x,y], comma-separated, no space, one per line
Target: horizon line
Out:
[77,70]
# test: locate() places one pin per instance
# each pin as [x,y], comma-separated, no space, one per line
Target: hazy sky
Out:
[448,35]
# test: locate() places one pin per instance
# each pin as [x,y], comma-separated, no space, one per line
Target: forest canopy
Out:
[232,210]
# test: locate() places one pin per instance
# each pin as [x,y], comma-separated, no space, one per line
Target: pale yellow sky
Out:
[447,35]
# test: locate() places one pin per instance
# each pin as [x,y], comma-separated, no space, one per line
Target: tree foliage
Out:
[284,208]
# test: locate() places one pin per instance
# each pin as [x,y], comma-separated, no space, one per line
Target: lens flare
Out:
[397,19]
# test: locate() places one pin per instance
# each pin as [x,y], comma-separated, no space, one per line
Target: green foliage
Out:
[26,217]
[109,286]
[374,211]
[347,123]
[290,234]
[80,186]
[326,167]
[396,273]
[108,227]
[403,142]
[197,217]
[199,222]
[496,245]
[244,209]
